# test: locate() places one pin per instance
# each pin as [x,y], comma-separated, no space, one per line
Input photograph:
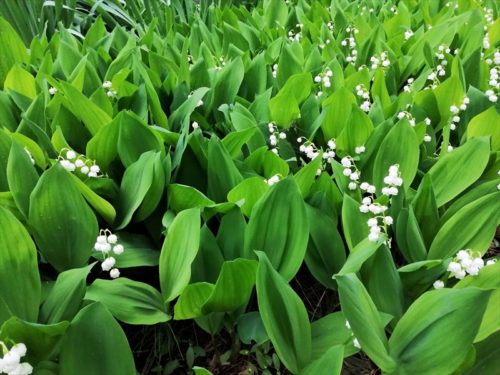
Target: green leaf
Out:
[353,222]
[359,255]
[20,81]
[487,279]
[135,138]
[247,193]
[64,226]
[222,173]
[400,146]
[284,316]
[284,107]
[231,291]
[434,318]
[233,287]
[278,226]
[91,340]
[178,252]
[19,277]
[14,50]
[338,109]
[486,124]
[40,340]
[457,170]
[102,206]
[472,227]
[21,176]
[64,299]
[305,176]
[329,364]
[129,301]
[325,250]
[182,197]
[84,109]
[364,320]
[136,182]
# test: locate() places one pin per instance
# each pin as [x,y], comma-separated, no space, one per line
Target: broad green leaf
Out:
[64,226]
[472,227]
[338,109]
[284,316]
[365,321]
[353,222]
[306,175]
[434,318]
[233,287]
[486,123]
[22,176]
[129,301]
[222,173]
[84,109]
[359,255]
[66,296]
[178,252]
[409,237]
[92,339]
[247,193]
[136,182]
[182,197]
[135,138]
[284,107]
[21,81]
[19,277]
[487,279]
[457,170]
[14,50]
[325,250]
[329,364]
[278,226]
[400,146]
[40,340]
[251,328]
[231,291]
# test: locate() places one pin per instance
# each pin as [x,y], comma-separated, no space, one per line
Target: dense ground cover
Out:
[297,187]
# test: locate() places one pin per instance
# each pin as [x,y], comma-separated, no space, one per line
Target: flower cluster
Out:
[275,70]
[489,15]
[363,93]
[10,363]
[108,86]
[351,171]
[355,341]
[408,115]
[274,137]
[493,82]
[221,63]
[408,34]
[106,243]
[311,151]
[325,78]
[467,262]
[455,111]
[296,36]
[71,161]
[351,43]
[375,228]
[378,60]
[393,180]
[272,180]
[442,62]
[486,41]
[409,84]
